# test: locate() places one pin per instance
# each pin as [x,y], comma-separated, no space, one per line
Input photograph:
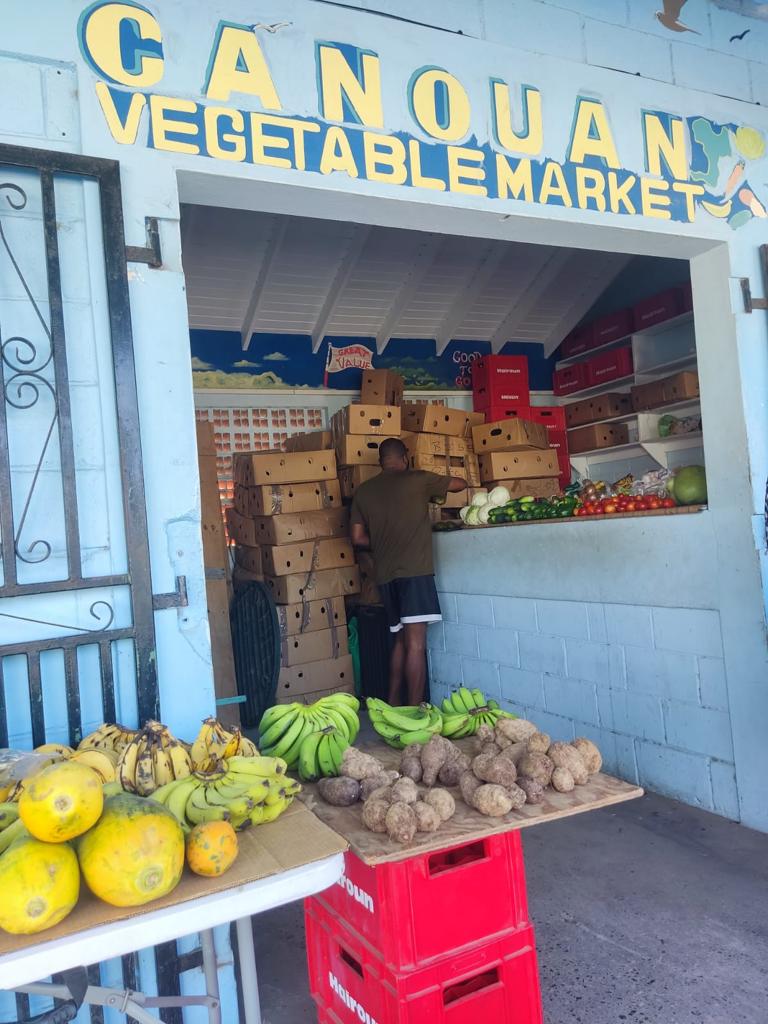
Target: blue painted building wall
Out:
[642,590]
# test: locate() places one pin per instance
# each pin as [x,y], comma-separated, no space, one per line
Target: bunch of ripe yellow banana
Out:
[110,738]
[152,759]
[215,743]
[321,753]
[466,710]
[401,726]
[241,790]
[284,727]
[103,762]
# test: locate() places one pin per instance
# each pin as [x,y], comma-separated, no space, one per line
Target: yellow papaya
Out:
[40,883]
[61,802]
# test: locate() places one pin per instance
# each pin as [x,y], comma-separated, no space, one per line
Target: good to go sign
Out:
[691,163]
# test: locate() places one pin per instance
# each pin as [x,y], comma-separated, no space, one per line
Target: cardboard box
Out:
[544,487]
[310,616]
[295,526]
[314,695]
[464,466]
[279,499]
[350,478]
[316,441]
[439,419]
[215,555]
[376,420]
[369,591]
[658,393]
[381,387]
[224,679]
[272,467]
[250,559]
[306,555]
[332,674]
[314,586]
[458,499]
[321,645]
[602,407]
[516,465]
[436,444]
[509,435]
[358,450]
[597,435]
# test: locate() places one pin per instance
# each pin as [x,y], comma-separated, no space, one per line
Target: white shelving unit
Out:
[657,352]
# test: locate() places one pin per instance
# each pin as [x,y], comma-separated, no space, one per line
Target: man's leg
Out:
[396,666]
[415,660]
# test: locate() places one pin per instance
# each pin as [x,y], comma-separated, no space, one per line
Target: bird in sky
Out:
[670,17]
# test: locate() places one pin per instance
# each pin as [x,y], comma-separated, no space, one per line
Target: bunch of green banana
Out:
[284,727]
[152,759]
[216,743]
[243,791]
[401,726]
[321,753]
[466,710]
[109,737]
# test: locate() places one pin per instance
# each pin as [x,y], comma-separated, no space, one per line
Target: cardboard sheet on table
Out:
[467,824]
[297,838]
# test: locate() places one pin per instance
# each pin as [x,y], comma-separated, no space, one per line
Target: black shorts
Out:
[410,599]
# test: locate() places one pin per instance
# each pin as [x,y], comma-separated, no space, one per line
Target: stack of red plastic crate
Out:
[500,389]
[442,937]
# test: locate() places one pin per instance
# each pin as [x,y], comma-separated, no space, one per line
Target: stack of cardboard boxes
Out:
[439,440]
[515,453]
[291,531]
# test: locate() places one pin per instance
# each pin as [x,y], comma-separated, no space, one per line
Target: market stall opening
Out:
[123,43]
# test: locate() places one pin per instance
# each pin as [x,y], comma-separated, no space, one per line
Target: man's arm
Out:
[360,538]
[457,484]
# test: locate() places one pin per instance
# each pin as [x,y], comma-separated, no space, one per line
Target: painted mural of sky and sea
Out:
[285,361]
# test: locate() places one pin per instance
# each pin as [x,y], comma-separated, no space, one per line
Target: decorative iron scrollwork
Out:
[101,628]
[25,385]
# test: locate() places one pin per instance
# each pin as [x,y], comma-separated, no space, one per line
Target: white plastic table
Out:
[20,971]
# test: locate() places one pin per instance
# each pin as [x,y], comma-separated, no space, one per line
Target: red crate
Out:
[500,380]
[494,413]
[658,308]
[610,366]
[494,981]
[406,909]
[570,378]
[566,470]
[581,339]
[612,327]
[552,416]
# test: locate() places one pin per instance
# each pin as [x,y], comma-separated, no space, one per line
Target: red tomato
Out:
[640,504]
[609,507]
[668,503]
[631,506]
[654,503]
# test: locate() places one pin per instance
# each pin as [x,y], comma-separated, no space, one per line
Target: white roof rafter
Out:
[279,227]
[541,280]
[343,273]
[467,297]
[415,274]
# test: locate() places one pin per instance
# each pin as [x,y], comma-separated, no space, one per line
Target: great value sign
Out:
[691,163]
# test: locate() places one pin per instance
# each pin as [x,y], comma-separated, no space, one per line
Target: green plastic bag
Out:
[354,650]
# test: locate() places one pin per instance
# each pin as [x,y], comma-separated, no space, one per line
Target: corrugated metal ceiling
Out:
[266,273]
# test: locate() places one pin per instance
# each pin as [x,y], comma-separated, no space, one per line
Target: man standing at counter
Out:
[390,517]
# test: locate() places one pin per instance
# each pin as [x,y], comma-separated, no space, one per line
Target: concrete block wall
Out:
[623,35]
[646,683]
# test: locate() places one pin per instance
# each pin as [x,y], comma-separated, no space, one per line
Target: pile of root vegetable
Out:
[510,764]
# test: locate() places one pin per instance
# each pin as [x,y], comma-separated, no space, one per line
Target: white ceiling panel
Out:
[264,273]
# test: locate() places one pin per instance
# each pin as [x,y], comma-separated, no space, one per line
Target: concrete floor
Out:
[649,913]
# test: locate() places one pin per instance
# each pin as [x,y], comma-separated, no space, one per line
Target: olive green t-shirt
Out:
[394,509]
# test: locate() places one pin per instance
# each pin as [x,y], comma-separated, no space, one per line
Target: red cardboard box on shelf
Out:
[609,366]
[581,339]
[658,308]
[612,327]
[568,379]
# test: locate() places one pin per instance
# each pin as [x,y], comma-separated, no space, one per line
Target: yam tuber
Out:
[494,801]
[562,780]
[410,767]
[590,754]
[563,755]
[539,743]
[400,822]
[427,818]
[405,791]
[517,795]
[514,751]
[537,767]
[469,784]
[490,748]
[382,793]
[433,757]
[442,801]
[534,791]
[375,815]
[516,729]
[495,768]
[355,764]
[450,773]
[483,735]
[372,783]
[340,792]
